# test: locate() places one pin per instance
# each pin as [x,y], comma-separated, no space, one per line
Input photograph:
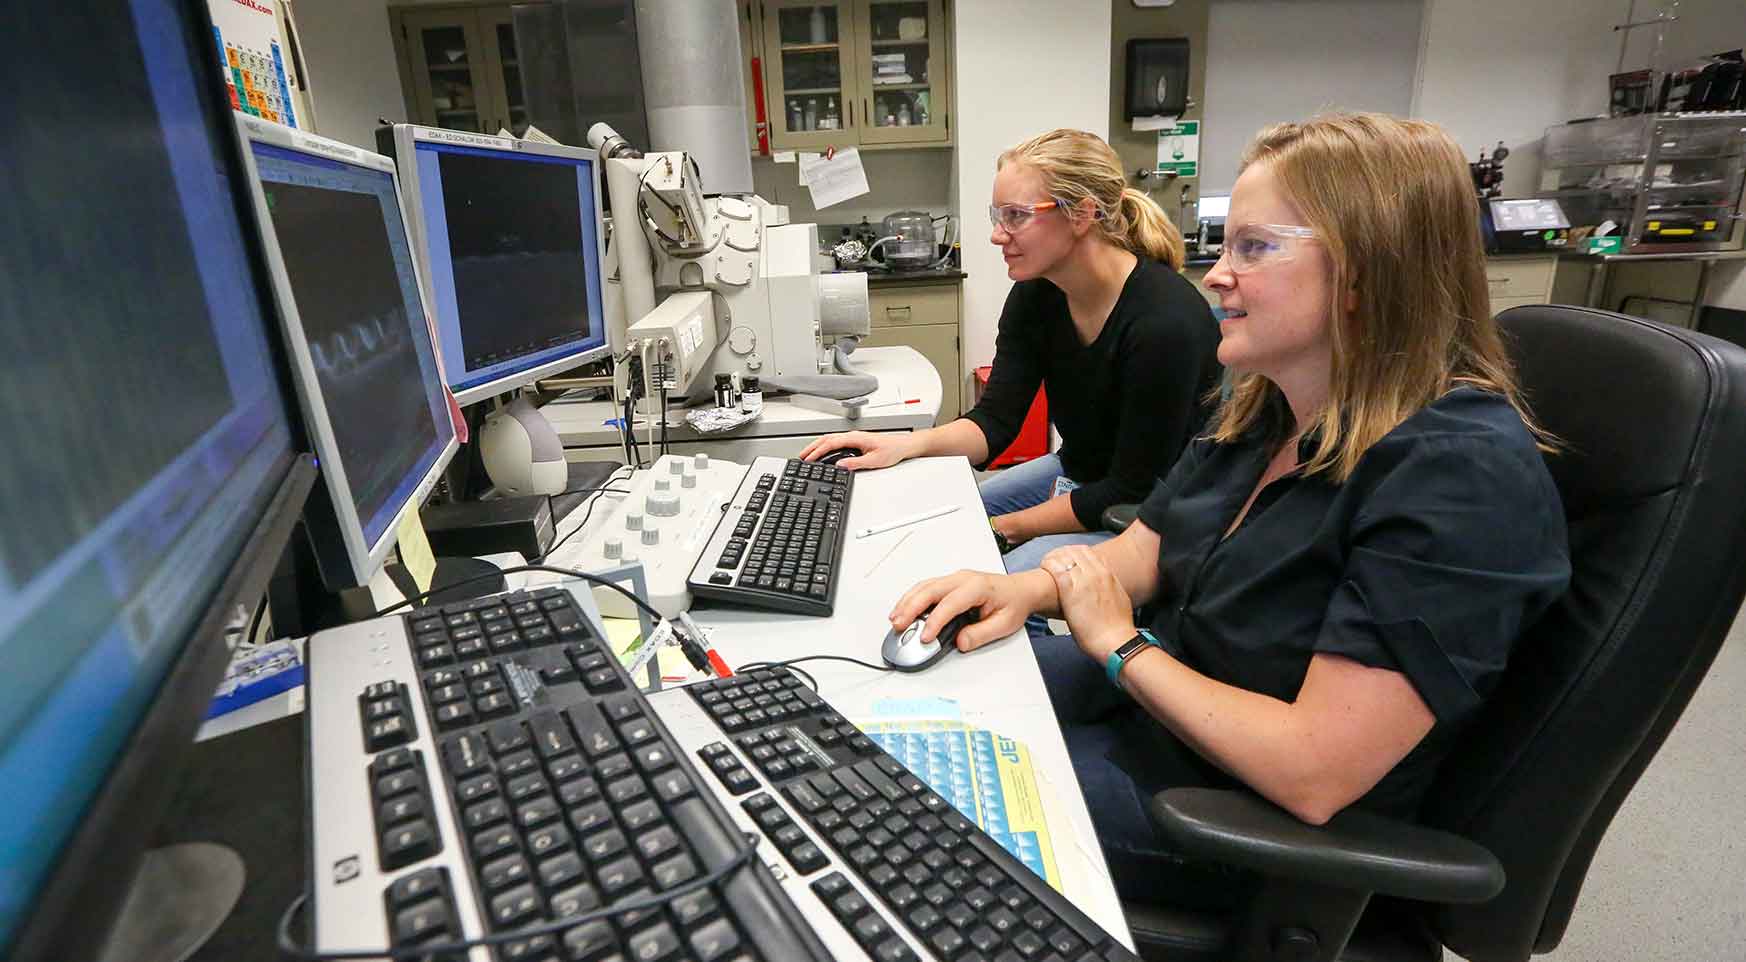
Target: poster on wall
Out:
[1179,148]
[253,58]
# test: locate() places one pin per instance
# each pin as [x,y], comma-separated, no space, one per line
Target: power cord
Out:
[289,945]
[585,576]
[586,514]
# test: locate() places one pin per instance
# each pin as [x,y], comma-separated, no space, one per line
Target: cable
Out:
[248,639]
[663,418]
[290,947]
[585,576]
[790,663]
[588,513]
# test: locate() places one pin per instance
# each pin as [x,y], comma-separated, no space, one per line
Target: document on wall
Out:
[834,179]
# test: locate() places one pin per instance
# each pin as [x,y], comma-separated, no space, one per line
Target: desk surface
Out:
[903,374]
[996,687]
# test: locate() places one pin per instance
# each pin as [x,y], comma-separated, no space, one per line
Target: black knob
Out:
[1295,944]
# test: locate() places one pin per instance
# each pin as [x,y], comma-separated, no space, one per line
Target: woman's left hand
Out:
[1094,603]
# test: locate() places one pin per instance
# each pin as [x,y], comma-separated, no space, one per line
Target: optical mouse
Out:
[905,651]
[839,454]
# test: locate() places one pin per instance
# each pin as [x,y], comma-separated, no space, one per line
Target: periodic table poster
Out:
[253,57]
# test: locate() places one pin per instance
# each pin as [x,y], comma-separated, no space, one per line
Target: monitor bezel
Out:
[74,909]
[406,138]
[365,557]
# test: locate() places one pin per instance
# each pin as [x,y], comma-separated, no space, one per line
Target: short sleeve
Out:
[1458,544]
[1152,509]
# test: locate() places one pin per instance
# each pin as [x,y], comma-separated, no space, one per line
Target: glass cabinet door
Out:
[902,47]
[447,65]
[809,74]
[497,30]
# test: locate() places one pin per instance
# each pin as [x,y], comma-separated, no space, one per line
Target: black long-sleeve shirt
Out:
[1127,403]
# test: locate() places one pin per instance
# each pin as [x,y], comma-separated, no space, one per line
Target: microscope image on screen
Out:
[516,256]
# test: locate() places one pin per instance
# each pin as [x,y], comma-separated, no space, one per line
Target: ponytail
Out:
[1078,166]
[1149,231]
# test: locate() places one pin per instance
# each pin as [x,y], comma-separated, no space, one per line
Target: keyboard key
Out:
[426,920]
[402,809]
[575,900]
[548,840]
[486,814]
[655,944]
[493,842]
[406,844]
[559,871]
[410,889]
[465,755]
[715,941]
[504,872]
[515,906]
[641,815]
[386,733]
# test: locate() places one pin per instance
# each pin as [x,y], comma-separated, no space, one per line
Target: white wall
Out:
[896,180]
[348,52]
[1492,71]
[1269,61]
[1022,67]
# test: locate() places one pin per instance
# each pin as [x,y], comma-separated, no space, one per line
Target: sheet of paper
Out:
[415,552]
[783,156]
[806,160]
[1159,122]
[835,180]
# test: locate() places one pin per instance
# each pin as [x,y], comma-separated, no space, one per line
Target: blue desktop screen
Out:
[145,426]
[346,255]
[514,254]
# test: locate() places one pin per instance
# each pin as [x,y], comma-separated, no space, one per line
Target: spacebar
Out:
[1042,891]
[758,913]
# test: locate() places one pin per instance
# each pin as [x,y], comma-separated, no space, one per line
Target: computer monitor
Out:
[510,238]
[149,466]
[360,345]
[1213,207]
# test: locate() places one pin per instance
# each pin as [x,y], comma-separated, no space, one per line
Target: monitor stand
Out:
[179,897]
[450,570]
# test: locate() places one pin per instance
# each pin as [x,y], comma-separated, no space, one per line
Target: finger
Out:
[992,628]
[819,447]
[917,600]
[961,598]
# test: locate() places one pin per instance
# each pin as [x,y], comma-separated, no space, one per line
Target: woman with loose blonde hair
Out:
[1334,575]
[1101,319]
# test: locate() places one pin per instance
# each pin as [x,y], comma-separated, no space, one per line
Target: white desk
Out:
[997,686]
[782,430]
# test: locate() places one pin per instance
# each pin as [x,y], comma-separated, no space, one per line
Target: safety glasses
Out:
[1013,217]
[1255,246]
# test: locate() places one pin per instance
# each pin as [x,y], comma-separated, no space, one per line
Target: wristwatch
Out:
[1118,658]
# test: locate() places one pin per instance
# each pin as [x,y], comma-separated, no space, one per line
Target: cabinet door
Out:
[752,51]
[503,65]
[446,61]
[939,344]
[902,50]
[809,73]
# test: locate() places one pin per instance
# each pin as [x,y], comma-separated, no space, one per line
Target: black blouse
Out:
[1445,543]
[1126,403]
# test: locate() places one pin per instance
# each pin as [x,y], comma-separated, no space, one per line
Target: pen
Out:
[901,522]
[886,404]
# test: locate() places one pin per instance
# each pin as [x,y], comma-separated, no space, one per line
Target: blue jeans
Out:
[1104,733]
[1025,486]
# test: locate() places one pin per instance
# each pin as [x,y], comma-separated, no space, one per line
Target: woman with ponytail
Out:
[1101,316]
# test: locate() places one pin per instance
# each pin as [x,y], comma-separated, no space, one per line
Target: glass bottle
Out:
[812,113]
[903,115]
[829,121]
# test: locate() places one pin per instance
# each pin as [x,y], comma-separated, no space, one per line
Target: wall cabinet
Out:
[458,67]
[851,72]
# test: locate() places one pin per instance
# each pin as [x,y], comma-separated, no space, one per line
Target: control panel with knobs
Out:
[663,524]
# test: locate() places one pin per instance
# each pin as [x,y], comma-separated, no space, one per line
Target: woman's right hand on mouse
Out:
[1005,600]
[877,450]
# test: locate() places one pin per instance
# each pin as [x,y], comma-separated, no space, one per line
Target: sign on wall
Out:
[1179,148]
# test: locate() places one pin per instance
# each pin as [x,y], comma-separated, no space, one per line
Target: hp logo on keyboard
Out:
[345,870]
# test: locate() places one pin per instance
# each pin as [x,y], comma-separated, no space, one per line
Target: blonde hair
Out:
[1391,200]
[1076,166]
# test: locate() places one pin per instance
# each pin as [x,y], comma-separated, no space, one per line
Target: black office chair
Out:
[1653,419]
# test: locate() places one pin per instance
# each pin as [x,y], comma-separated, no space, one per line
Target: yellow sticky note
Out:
[415,551]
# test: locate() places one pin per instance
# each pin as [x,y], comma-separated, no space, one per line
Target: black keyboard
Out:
[779,543]
[486,766]
[957,892]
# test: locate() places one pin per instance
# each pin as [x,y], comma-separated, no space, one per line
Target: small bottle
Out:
[795,119]
[819,29]
[903,117]
[830,115]
[751,395]
[724,390]
[812,113]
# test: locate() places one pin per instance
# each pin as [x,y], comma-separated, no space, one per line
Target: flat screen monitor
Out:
[1528,213]
[509,233]
[355,323]
[150,475]
[1213,207]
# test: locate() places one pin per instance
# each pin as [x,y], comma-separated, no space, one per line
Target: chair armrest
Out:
[1354,850]
[1117,517]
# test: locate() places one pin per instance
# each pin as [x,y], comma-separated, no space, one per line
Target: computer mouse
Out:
[839,454]
[905,651]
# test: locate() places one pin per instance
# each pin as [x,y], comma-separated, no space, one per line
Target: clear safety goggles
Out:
[1013,217]
[1255,246]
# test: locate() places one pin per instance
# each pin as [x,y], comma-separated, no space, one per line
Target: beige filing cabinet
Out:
[925,317]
